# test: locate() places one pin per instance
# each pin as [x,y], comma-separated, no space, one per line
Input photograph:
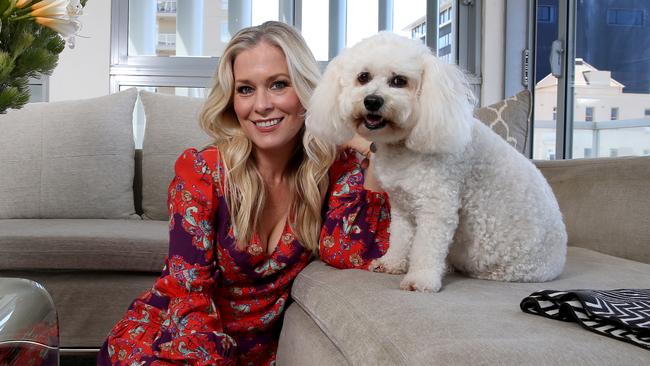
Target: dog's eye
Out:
[363,77]
[398,81]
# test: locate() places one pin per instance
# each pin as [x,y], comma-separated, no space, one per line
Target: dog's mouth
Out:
[374,122]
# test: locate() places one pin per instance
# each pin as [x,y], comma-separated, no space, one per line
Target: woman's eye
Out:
[244,89]
[280,84]
[398,81]
[363,77]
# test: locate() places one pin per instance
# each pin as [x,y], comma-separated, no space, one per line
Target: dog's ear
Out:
[324,117]
[445,109]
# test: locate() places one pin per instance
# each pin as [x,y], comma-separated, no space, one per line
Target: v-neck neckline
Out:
[286,229]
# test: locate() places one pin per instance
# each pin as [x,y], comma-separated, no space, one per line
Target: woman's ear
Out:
[324,118]
[445,109]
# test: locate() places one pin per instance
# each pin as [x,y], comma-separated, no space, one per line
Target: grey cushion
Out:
[469,322]
[77,244]
[510,119]
[172,126]
[69,159]
[605,203]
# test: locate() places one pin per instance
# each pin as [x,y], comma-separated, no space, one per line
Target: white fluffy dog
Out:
[458,192]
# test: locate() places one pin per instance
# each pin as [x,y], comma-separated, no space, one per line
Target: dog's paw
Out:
[421,281]
[384,265]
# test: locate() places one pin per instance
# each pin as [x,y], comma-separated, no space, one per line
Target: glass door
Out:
[592,79]
[611,80]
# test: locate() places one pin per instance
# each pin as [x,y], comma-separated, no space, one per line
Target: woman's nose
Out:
[263,102]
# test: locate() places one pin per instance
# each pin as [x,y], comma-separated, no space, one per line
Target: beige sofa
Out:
[96,244]
[82,211]
[351,317]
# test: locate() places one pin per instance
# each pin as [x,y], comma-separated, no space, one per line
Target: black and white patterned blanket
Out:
[621,314]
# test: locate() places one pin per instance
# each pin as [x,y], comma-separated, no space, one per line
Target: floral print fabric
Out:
[355,229]
[215,304]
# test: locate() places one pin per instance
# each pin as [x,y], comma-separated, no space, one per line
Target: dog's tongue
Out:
[373,119]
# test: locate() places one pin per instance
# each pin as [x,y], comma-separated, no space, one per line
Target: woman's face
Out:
[265,99]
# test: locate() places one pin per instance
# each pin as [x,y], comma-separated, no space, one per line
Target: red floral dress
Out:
[217,305]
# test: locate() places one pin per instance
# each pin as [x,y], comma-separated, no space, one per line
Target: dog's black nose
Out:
[373,102]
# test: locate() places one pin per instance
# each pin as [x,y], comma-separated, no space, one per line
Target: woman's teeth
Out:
[268,123]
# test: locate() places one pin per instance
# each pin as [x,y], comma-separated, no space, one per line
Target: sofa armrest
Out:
[605,203]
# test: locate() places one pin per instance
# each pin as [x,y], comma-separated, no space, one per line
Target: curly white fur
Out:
[459,193]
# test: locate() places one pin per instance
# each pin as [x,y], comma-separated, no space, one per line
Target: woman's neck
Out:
[273,165]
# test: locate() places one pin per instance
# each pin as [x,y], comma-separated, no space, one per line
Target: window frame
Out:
[197,72]
[42,82]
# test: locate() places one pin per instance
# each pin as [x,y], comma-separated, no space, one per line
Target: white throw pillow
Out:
[72,159]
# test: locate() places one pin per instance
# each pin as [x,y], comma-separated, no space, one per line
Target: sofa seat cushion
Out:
[470,321]
[83,244]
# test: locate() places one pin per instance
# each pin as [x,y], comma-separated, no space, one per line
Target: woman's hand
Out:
[367,149]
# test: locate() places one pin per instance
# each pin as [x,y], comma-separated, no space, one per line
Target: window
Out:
[625,17]
[546,14]
[443,42]
[38,89]
[167,6]
[315,27]
[587,152]
[367,14]
[613,152]
[173,46]
[589,114]
[445,16]
[594,79]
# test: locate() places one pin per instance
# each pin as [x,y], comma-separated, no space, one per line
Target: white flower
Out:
[66,27]
[74,8]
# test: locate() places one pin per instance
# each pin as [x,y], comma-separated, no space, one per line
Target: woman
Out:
[246,215]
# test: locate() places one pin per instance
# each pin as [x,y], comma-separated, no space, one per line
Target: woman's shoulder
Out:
[206,156]
[204,162]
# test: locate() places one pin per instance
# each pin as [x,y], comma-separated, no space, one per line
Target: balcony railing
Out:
[167,7]
[167,41]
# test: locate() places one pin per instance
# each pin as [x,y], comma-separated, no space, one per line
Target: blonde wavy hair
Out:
[245,191]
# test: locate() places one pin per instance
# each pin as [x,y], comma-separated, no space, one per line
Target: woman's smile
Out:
[269,124]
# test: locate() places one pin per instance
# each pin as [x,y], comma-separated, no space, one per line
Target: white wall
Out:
[83,71]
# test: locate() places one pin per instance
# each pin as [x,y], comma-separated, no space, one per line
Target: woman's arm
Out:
[367,149]
[356,219]
[177,320]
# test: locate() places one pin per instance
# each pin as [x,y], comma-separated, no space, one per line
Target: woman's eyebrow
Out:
[272,77]
[275,76]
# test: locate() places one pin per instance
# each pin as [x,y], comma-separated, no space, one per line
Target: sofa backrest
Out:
[172,125]
[605,203]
